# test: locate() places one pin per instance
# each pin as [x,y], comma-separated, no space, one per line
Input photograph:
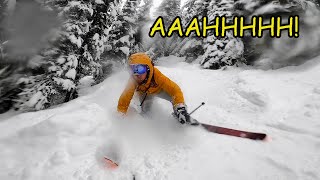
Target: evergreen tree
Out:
[276,51]
[122,33]
[143,19]
[144,11]
[74,53]
[3,14]
[194,8]
[3,68]
[221,51]
[168,10]
[194,45]
[130,12]
[188,11]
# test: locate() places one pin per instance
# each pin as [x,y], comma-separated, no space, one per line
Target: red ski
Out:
[109,164]
[112,165]
[227,131]
[234,132]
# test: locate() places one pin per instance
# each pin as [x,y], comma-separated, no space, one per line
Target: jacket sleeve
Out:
[171,88]
[126,96]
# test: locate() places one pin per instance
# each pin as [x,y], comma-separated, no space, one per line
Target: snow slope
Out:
[67,142]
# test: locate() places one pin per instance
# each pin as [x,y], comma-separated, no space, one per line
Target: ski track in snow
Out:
[68,142]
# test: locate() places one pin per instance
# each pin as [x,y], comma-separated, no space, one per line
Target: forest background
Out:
[49,49]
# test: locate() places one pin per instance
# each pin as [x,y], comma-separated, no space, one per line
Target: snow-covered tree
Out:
[221,51]
[3,14]
[11,67]
[168,9]
[270,52]
[193,46]
[143,18]
[119,39]
[194,8]
[123,30]
[61,61]
[188,10]
[144,11]
[3,85]
[130,12]
[75,52]
[4,32]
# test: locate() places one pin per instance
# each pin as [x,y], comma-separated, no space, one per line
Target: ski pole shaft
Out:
[197,108]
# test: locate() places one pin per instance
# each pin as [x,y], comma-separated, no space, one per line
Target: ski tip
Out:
[267,139]
[109,164]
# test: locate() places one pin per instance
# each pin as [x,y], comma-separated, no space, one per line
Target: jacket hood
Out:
[142,58]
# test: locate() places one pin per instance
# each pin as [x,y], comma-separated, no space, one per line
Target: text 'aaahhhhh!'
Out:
[220,26]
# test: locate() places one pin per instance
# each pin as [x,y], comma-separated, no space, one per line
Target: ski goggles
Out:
[138,69]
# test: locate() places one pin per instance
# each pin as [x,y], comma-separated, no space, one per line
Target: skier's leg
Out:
[166,96]
[146,103]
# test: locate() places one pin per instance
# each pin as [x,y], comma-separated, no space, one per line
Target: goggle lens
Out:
[138,69]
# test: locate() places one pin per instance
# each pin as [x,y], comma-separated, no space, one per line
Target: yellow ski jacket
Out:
[155,83]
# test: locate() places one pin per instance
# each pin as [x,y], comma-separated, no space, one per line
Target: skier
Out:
[149,82]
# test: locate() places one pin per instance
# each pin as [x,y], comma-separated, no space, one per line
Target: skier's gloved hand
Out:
[182,114]
[120,115]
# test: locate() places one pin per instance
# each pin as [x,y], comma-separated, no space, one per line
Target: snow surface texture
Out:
[68,142]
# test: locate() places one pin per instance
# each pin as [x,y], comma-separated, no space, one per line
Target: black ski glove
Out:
[182,115]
